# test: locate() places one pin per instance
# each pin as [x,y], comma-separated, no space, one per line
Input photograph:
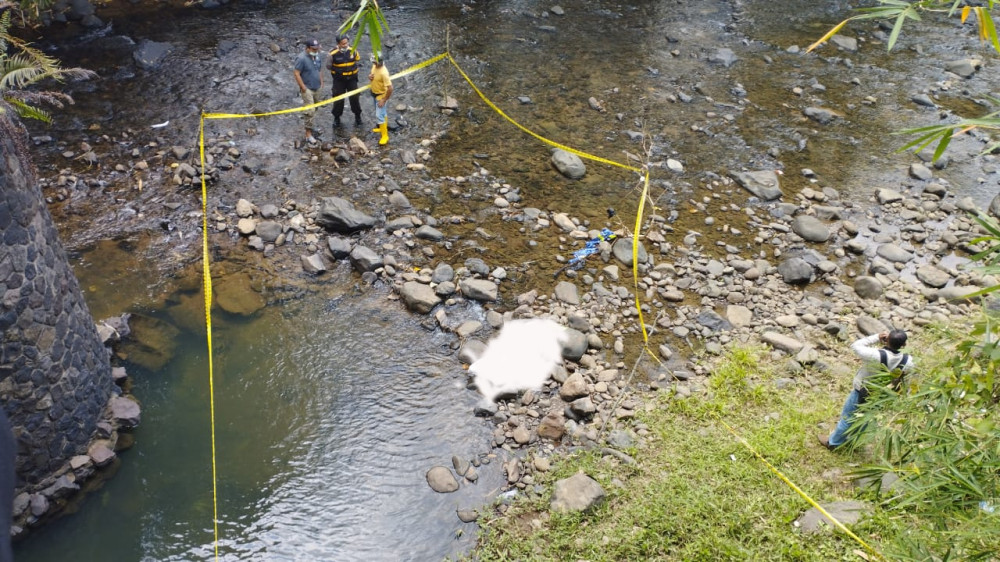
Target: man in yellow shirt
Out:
[381,87]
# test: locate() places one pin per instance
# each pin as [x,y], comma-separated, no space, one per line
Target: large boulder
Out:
[933,276]
[365,259]
[796,271]
[762,183]
[441,480]
[810,228]
[479,289]
[339,215]
[568,164]
[868,287]
[622,250]
[893,253]
[576,493]
[418,297]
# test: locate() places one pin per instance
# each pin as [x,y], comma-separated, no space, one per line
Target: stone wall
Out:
[55,374]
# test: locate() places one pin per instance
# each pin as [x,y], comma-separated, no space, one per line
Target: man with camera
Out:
[876,360]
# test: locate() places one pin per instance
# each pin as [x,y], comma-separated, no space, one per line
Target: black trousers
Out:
[342,85]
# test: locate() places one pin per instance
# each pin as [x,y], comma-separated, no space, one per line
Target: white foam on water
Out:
[521,357]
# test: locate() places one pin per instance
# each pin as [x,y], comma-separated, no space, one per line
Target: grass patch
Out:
[696,493]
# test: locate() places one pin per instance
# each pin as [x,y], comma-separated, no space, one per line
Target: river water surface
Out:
[332,403]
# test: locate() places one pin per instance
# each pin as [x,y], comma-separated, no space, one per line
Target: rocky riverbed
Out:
[802,273]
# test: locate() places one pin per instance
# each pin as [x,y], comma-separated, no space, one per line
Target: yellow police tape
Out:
[207,284]
[799,491]
[644,171]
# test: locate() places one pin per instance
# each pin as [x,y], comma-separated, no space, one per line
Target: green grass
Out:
[696,493]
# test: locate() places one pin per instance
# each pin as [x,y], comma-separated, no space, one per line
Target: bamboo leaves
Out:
[369,19]
[900,11]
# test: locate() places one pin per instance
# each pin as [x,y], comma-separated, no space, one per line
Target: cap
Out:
[312,43]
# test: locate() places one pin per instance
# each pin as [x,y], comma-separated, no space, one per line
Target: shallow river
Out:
[332,404]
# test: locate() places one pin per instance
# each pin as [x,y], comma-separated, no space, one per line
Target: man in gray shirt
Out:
[310,81]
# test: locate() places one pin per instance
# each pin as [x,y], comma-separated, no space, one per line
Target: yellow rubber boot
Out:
[384,128]
[377,129]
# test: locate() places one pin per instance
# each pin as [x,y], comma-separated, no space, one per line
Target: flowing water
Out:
[332,403]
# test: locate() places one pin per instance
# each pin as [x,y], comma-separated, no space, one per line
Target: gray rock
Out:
[268,231]
[810,228]
[845,43]
[957,293]
[885,196]
[246,227]
[795,271]
[781,341]
[847,512]
[339,247]
[244,208]
[868,325]
[995,206]
[575,346]
[622,250]
[430,233]
[923,100]
[63,486]
[399,223]
[763,184]
[125,411]
[920,172]
[268,211]
[467,515]
[828,212]
[365,259]
[963,67]
[821,115]
[479,289]
[552,426]
[418,297]
[868,287]
[39,505]
[576,493]
[313,264]
[442,273]
[583,407]
[441,480]
[738,315]
[893,253]
[476,265]
[933,276]
[567,292]
[339,215]
[100,452]
[621,439]
[568,164]
[398,200]
[713,321]
[574,387]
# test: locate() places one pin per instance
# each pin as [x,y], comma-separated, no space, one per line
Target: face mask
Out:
[344,49]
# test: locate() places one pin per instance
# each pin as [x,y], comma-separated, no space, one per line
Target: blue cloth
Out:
[838,438]
[380,112]
[591,247]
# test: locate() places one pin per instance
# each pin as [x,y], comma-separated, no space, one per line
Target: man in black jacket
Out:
[343,66]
